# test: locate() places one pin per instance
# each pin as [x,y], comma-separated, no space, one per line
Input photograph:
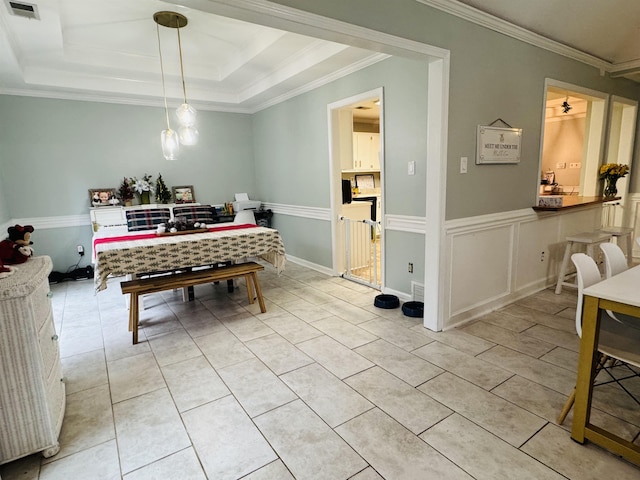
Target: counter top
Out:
[574,201]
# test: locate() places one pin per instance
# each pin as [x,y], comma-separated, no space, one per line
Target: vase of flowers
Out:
[610,173]
[143,188]
[125,192]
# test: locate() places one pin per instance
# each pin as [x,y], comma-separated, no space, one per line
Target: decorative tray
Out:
[182,232]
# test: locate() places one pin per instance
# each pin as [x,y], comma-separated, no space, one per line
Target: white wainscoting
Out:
[493,260]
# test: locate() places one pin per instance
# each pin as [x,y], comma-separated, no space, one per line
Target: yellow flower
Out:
[613,170]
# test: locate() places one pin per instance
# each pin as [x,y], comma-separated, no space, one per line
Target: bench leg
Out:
[133,317]
[247,280]
[256,284]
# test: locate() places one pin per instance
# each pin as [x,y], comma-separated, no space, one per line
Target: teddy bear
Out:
[16,248]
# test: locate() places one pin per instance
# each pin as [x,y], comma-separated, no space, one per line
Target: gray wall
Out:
[492,76]
[53,151]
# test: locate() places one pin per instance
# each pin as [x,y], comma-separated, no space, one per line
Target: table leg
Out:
[586,368]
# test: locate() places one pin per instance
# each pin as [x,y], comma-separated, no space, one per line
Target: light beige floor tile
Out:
[157,319]
[407,405]
[568,340]
[278,354]
[312,295]
[458,339]
[351,336]
[201,322]
[508,322]
[548,404]
[613,400]
[256,387]
[274,471]
[133,376]
[547,301]
[87,408]
[80,339]
[477,452]
[306,311]
[118,342]
[561,357]
[193,383]
[334,356]
[559,379]
[509,422]
[279,296]
[477,371]
[148,428]
[559,322]
[349,312]
[553,447]
[292,328]
[223,308]
[246,327]
[173,347]
[306,445]
[223,349]
[327,396]
[516,341]
[398,336]
[182,465]
[406,366]
[84,371]
[99,463]
[367,474]
[393,451]
[228,444]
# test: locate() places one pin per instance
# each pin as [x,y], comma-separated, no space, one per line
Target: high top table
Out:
[620,293]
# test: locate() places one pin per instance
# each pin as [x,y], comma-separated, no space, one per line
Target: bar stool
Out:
[622,233]
[589,240]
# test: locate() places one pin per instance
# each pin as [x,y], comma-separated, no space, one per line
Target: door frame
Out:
[335,178]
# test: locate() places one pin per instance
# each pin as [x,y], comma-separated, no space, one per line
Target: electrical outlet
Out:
[575,165]
[410,267]
[561,165]
[80,250]
[542,256]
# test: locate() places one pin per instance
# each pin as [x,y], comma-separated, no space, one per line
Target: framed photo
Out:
[183,194]
[103,197]
[365,181]
[498,145]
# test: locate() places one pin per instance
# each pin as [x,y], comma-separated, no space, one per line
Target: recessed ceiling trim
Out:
[483,19]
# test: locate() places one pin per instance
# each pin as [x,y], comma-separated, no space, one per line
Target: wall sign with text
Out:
[498,145]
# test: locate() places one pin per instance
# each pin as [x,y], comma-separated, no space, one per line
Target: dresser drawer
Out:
[41,301]
[56,398]
[49,345]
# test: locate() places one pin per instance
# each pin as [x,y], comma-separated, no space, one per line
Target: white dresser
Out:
[32,392]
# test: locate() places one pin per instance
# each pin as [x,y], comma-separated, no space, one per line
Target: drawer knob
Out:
[49,294]
[54,338]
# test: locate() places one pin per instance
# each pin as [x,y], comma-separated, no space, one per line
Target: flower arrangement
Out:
[143,188]
[610,173]
[125,191]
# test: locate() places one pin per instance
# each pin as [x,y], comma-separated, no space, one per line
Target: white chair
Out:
[245,217]
[619,340]
[614,260]
[623,235]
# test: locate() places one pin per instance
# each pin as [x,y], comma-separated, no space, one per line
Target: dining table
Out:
[118,252]
[619,293]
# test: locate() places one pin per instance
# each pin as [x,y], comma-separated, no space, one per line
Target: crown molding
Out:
[471,14]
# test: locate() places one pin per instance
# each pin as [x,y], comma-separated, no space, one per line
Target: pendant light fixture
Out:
[187,133]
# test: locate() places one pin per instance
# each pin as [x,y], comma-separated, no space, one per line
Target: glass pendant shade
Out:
[186,114]
[170,144]
[188,135]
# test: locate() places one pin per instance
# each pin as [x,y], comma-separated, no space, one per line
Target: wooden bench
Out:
[142,286]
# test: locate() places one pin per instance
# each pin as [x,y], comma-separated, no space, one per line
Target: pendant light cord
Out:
[184,89]
[164,94]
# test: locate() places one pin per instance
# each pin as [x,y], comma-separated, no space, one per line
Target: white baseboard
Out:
[312,266]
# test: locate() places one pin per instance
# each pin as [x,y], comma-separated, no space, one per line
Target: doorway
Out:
[357,178]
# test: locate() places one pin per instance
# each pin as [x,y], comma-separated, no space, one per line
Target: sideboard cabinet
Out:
[32,391]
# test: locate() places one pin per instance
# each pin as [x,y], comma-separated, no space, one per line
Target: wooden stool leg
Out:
[256,284]
[563,267]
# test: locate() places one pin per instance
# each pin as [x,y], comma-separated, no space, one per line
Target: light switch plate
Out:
[411,168]
[463,164]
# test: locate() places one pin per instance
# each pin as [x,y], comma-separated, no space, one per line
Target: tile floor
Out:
[322,386]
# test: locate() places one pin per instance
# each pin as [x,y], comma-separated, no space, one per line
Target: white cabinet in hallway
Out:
[32,391]
[366,151]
